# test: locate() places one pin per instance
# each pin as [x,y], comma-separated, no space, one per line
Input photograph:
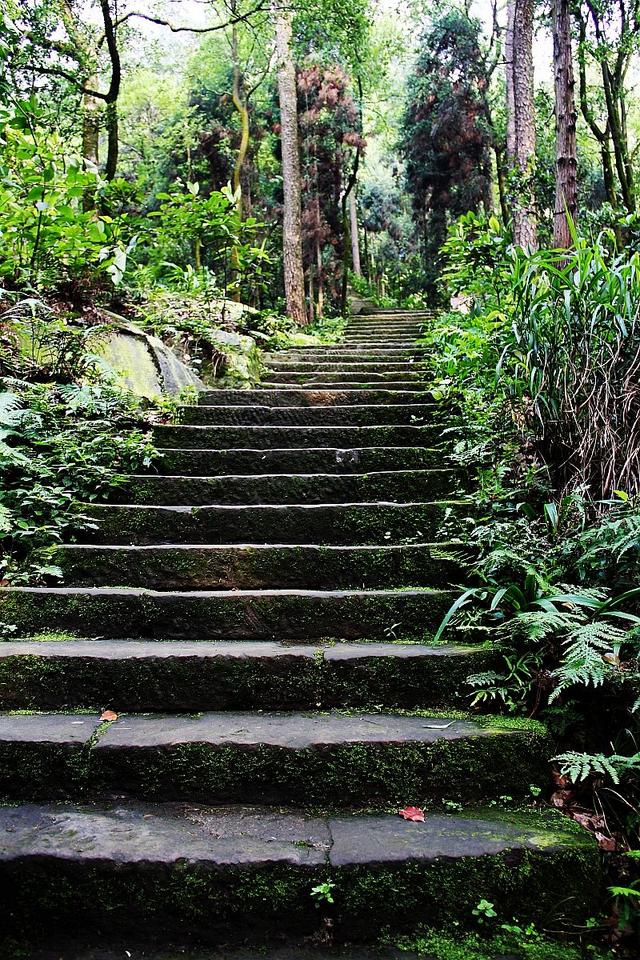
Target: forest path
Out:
[259,614]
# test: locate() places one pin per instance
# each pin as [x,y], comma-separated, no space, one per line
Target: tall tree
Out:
[445,138]
[521,131]
[292,218]
[566,206]
[609,34]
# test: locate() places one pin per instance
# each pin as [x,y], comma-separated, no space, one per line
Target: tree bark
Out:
[355,239]
[292,219]
[566,206]
[111,97]
[508,57]
[521,140]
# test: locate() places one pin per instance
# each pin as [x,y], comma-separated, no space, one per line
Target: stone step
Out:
[378,614]
[326,524]
[252,437]
[383,327]
[97,944]
[211,871]
[359,341]
[362,414]
[280,488]
[333,758]
[259,566]
[359,354]
[348,366]
[335,385]
[371,378]
[291,397]
[164,676]
[205,462]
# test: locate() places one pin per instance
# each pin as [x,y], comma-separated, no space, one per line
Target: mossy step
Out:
[382,329]
[203,462]
[99,945]
[213,567]
[253,437]
[385,326]
[343,352]
[322,384]
[292,397]
[343,374]
[157,675]
[409,614]
[338,524]
[389,485]
[363,414]
[360,342]
[378,367]
[210,871]
[335,758]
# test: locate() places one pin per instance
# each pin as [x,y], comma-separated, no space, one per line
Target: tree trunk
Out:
[522,139]
[355,239]
[502,186]
[113,145]
[566,206]
[90,139]
[240,104]
[508,57]
[292,219]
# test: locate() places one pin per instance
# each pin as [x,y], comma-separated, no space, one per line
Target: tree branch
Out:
[175,28]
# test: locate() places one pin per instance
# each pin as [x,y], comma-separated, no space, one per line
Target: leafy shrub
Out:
[46,237]
[199,244]
[60,445]
[556,336]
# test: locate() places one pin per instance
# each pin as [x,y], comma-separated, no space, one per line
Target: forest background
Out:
[220,174]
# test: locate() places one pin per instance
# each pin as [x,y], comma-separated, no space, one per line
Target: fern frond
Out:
[6,519]
[584,655]
[10,409]
[540,624]
[579,766]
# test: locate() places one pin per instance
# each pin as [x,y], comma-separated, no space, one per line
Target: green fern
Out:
[578,766]
[585,650]
[10,409]
[6,519]
[540,624]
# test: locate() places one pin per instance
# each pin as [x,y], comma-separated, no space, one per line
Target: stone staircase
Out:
[259,613]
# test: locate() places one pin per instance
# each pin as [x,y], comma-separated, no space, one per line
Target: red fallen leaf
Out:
[108,715]
[560,798]
[412,813]
[605,843]
[583,819]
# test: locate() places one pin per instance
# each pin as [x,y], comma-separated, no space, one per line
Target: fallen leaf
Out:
[412,813]
[108,715]
[605,843]
[583,819]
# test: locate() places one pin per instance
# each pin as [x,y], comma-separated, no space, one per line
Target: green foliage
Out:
[60,445]
[556,335]
[445,133]
[200,242]
[45,235]
[521,941]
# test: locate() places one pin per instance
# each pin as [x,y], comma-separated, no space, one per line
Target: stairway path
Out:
[259,611]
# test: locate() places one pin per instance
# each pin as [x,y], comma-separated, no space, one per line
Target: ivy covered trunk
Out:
[292,219]
[566,206]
